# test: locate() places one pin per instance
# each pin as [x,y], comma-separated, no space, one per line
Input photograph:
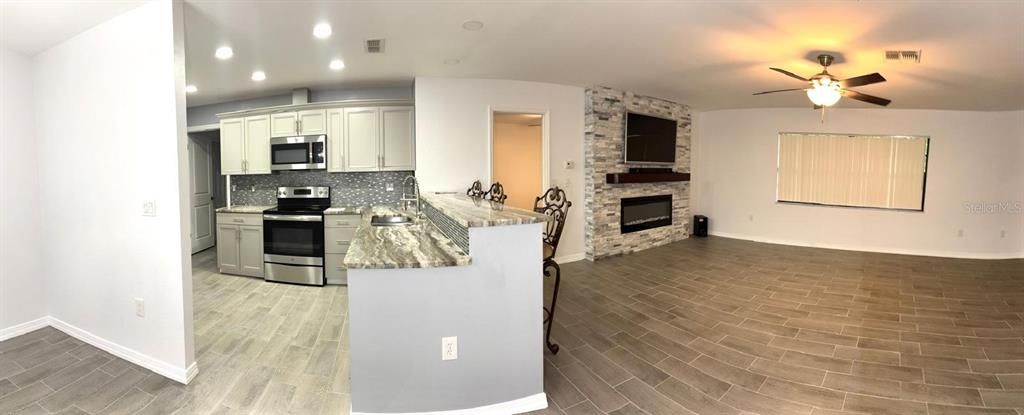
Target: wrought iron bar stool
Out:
[476,190]
[496,193]
[552,203]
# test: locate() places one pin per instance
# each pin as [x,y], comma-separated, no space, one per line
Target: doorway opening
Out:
[517,156]
[207,187]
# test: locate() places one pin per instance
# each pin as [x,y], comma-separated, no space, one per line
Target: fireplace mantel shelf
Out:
[620,178]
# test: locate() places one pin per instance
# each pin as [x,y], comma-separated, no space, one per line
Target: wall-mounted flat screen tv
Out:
[650,140]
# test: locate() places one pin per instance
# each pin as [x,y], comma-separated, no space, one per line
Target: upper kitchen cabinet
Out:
[335,144]
[257,145]
[378,139]
[293,123]
[245,145]
[397,138]
[284,124]
[361,139]
[232,146]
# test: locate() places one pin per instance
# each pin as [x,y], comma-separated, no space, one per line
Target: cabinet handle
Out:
[238,220]
[343,222]
[340,242]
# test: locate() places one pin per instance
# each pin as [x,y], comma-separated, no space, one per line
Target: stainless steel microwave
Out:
[307,152]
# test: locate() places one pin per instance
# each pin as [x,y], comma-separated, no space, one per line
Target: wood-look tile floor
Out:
[723,326]
[262,348]
[705,326]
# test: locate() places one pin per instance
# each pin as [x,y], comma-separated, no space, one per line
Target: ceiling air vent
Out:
[375,46]
[903,55]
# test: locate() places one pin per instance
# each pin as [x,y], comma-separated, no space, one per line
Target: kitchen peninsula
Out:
[467,268]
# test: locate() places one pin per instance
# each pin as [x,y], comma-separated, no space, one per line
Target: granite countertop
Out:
[475,213]
[345,210]
[420,245]
[245,209]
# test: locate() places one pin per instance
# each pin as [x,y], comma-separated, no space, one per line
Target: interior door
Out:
[201,184]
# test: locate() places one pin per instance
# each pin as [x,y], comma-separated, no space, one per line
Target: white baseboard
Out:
[518,406]
[565,259]
[167,370]
[843,247]
[19,329]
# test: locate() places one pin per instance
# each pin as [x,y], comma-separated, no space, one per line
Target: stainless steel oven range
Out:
[293,236]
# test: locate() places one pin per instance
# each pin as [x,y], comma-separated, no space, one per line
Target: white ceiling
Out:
[711,55]
[32,26]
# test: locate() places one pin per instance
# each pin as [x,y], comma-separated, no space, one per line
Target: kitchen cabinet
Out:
[397,139]
[232,146]
[293,123]
[335,144]
[245,145]
[378,139]
[361,139]
[240,244]
[339,231]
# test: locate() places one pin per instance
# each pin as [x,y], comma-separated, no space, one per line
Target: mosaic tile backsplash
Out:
[347,189]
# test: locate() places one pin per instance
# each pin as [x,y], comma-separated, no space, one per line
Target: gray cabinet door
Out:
[250,250]
[227,249]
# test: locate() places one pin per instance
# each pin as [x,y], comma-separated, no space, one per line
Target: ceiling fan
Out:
[825,90]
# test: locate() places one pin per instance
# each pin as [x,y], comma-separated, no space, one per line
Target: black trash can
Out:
[700,226]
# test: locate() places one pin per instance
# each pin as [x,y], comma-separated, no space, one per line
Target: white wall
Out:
[453,137]
[975,157]
[111,131]
[22,285]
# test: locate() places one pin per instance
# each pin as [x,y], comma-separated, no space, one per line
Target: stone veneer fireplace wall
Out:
[604,119]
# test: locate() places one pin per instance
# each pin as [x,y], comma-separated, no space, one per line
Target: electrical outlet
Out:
[140,307]
[570,164]
[450,348]
[149,208]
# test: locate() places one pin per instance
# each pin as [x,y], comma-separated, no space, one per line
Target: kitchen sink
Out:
[390,220]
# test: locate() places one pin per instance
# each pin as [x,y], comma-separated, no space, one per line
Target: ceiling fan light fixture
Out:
[824,92]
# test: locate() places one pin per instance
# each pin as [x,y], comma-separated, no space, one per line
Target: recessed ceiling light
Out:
[224,52]
[191,89]
[322,31]
[473,25]
[337,64]
[258,76]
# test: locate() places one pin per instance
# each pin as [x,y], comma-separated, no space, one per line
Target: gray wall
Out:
[207,114]
[347,189]
[493,305]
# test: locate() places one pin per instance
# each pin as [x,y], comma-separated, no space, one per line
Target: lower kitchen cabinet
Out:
[240,244]
[338,233]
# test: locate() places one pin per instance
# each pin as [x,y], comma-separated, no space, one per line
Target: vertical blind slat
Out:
[844,170]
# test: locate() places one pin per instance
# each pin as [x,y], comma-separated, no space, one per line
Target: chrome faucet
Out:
[407,197]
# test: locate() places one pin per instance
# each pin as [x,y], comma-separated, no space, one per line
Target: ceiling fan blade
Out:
[778,90]
[871,99]
[790,74]
[862,80]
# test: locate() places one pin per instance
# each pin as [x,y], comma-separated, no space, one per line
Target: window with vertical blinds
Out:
[853,170]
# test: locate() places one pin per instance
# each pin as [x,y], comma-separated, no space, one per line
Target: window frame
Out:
[924,178]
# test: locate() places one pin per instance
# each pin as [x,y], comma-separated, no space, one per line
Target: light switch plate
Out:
[450,348]
[149,208]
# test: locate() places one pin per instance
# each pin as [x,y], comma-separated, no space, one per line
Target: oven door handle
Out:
[295,218]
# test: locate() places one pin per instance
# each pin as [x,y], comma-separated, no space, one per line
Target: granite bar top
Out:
[420,245]
[345,210]
[245,209]
[477,213]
